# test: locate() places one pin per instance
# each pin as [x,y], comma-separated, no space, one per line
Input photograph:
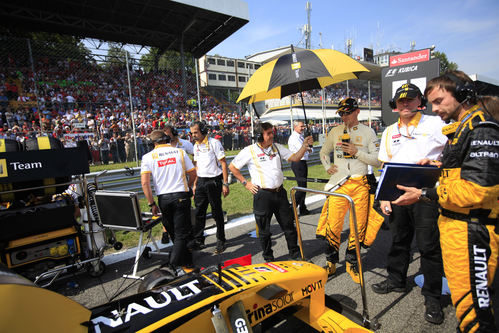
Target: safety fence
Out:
[129,179]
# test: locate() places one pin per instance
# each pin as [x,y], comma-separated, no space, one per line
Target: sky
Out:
[466,31]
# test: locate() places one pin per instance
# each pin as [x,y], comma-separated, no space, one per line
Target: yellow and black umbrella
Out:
[300,71]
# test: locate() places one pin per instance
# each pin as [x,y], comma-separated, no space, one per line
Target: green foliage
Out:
[445,64]
[154,60]
[116,56]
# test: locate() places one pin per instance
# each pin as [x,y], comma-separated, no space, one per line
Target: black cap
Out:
[348,105]
[407,90]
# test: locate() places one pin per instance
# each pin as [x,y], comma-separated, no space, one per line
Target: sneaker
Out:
[354,272]
[220,247]
[330,268]
[433,312]
[165,238]
[386,287]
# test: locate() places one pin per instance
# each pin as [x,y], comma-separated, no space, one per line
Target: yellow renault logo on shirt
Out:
[3,168]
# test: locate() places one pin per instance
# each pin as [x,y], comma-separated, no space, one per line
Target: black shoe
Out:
[304,212]
[165,238]
[386,287]
[433,313]
[269,259]
[195,246]
[220,247]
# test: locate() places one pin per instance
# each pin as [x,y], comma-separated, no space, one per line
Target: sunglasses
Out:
[344,113]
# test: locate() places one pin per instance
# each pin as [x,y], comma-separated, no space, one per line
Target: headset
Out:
[172,129]
[163,138]
[202,127]
[465,91]
[259,131]
[393,104]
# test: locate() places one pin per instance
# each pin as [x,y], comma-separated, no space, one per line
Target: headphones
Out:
[172,129]
[259,133]
[393,104]
[202,127]
[163,138]
[465,91]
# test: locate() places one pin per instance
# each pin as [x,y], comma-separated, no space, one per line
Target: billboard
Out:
[409,58]
[394,77]
[368,55]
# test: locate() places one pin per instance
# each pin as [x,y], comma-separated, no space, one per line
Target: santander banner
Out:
[410,58]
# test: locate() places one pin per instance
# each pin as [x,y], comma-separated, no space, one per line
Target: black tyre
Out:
[156,278]
[93,272]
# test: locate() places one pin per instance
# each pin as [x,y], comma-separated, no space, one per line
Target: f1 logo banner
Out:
[393,77]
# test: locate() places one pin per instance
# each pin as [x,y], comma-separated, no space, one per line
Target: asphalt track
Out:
[396,312]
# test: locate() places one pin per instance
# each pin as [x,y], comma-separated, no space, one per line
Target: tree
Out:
[167,60]
[116,56]
[445,64]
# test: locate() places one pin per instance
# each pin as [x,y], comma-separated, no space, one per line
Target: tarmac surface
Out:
[396,312]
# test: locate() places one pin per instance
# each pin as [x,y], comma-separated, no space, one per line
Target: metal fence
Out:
[129,179]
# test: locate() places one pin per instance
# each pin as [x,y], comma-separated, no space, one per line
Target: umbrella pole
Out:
[304,113]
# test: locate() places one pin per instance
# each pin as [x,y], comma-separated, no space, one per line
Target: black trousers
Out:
[176,210]
[209,191]
[300,169]
[419,219]
[266,204]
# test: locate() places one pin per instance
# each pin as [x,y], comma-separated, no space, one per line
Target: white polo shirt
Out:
[185,145]
[264,165]
[207,154]
[168,167]
[422,138]
[295,142]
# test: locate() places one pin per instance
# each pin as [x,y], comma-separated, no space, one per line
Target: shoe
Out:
[220,247]
[433,312]
[304,212]
[354,272]
[165,238]
[386,287]
[269,259]
[196,246]
[330,268]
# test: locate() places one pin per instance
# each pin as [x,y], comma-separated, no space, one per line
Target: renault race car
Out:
[233,299]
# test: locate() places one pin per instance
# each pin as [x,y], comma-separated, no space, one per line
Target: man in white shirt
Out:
[178,142]
[300,168]
[351,159]
[173,174]
[212,182]
[269,196]
[412,138]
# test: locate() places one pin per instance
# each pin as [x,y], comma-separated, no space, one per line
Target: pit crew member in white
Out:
[269,196]
[173,174]
[212,182]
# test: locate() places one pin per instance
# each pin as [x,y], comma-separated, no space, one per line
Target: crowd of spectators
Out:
[74,100]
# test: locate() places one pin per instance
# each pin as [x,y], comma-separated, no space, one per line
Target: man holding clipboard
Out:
[413,137]
[468,193]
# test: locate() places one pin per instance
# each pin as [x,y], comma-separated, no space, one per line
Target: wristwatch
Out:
[424,195]
[226,184]
[244,182]
[152,204]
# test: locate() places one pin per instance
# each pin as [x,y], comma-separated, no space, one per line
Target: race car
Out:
[232,299]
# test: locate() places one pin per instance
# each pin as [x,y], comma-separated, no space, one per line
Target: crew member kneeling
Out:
[269,196]
[173,174]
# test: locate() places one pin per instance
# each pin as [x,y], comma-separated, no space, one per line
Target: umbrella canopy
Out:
[300,71]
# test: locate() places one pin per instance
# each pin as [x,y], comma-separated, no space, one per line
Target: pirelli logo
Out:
[296,65]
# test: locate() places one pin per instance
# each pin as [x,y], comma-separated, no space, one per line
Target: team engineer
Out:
[211,184]
[173,174]
[468,191]
[351,159]
[413,137]
[175,142]
[269,196]
[300,168]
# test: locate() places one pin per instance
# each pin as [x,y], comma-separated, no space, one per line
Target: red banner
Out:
[410,58]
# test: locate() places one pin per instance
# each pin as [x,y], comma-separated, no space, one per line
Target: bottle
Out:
[345,138]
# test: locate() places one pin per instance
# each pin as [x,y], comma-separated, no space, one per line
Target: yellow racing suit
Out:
[334,210]
[468,194]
